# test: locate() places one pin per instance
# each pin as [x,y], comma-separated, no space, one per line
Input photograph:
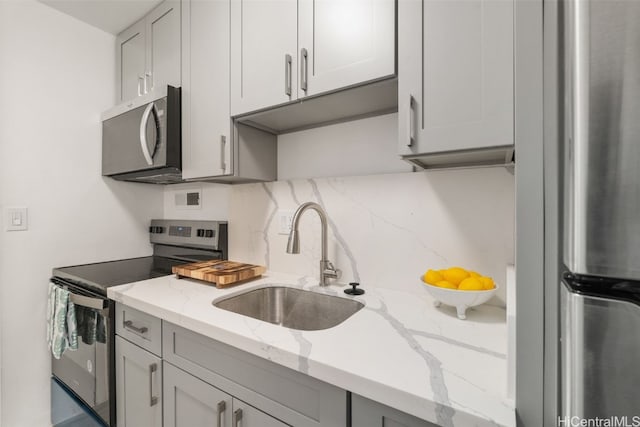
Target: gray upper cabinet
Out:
[148,52]
[367,413]
[263,53]
[213,149]
[206,126]
[344,43]
[285,50]
[138,386]
[163,45]
[131,62]
[190,402]
[455,67]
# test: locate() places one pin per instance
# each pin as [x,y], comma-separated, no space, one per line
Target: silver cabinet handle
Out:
[303,69]
[223,144]
[410,121]
[148,87]
[221,407]
[140,82]
[287,74]
[153,399]
[143,133]
[141,330]
[237,417]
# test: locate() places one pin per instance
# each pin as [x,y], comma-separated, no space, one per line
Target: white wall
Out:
[57,75]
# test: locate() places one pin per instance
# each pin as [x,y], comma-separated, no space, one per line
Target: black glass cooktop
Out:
[102,275]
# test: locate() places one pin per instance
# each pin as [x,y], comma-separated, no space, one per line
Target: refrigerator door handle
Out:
[572,363]
[576,155]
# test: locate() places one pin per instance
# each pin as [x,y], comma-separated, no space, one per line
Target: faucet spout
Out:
[293,244]
[327,270]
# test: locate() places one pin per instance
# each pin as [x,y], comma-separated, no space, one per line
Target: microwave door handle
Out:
[143,133]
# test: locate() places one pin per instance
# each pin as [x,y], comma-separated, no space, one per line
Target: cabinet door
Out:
[206,142]
[130,57]
[163,45]
[190,402]
[463,53]
[138,386]
[347,42]
[367,413]
[263,53]
[247,416]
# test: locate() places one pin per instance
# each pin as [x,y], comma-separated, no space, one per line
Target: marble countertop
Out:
[399,350]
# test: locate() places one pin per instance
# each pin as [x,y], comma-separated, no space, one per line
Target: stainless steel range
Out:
[83,380]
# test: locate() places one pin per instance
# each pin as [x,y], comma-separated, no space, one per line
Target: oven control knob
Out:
[200,232]
[160,230]
[208,233]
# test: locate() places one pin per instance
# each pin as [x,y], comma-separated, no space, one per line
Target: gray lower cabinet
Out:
[367,413]
[201,382]
[138,386]
[258,387]
[191,402]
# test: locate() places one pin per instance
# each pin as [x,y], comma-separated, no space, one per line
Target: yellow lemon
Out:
[455,275]
[471,284]
[432,277]
[487,283]
[445,284]
[474,274]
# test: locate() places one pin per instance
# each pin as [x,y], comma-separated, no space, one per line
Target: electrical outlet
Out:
[284,221]
[188,199]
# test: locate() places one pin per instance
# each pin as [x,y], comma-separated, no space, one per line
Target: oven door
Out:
[68,411]
[86,371]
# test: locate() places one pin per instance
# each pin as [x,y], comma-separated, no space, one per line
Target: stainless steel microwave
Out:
[141,139]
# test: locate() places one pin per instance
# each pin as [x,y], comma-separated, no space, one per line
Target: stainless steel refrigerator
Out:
[600,289]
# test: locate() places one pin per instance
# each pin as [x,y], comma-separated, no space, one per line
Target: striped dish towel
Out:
[61,321]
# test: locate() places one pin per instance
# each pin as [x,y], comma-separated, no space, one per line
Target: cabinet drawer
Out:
[290,396]
[140,328]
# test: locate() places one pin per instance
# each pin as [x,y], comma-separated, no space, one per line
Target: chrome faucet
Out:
[327,270]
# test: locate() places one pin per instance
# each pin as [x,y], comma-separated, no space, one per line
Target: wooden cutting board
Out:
[222,273]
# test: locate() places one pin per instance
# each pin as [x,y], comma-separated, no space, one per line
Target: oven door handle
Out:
[97,303]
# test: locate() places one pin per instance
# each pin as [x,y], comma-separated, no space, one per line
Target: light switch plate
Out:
[284,221]
[15,219]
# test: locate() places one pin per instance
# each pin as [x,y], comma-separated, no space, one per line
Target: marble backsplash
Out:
[384,230]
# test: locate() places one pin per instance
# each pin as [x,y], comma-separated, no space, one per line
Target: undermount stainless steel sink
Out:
[292,308]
